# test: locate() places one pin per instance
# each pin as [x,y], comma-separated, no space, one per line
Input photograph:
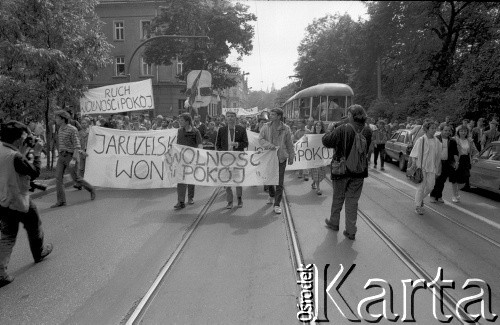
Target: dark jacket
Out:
[335,140]
[240,136]
[452,148]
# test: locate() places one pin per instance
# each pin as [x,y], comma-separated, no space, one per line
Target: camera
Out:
[31,141]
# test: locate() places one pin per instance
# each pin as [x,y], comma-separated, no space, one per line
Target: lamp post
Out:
[154,38]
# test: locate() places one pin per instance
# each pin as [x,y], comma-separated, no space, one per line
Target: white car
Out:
[485,173]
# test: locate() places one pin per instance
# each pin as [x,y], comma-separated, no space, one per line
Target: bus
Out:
[323,102]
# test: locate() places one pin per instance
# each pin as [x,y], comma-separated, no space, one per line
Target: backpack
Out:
[357,161]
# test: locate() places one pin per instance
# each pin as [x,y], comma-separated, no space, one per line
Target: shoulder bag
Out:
[415,174]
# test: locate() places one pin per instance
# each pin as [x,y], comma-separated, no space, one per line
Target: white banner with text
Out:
[118,98]
[221,168]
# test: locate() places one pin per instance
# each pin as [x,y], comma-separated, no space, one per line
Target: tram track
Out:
[139,310]
[455,222]
[449,302]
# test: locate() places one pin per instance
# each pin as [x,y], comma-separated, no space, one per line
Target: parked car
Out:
[399,147]
[485,173]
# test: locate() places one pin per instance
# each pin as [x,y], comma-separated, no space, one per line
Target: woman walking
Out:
[426,154]
[318,174]
[467,153]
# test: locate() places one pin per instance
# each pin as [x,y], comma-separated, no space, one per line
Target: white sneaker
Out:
[277,209]
[270,200]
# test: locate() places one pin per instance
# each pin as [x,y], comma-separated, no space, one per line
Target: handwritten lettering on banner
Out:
[310,153]
[118,98]
[221,168]
[128,159]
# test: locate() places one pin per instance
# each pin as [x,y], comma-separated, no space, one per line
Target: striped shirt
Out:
[68,138]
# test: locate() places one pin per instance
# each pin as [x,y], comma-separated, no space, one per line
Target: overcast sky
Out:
[279,29]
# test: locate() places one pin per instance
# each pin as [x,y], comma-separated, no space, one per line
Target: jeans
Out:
[348,190]
[63,162]
[277,191]
[229,193]
[9,226]
[181,192]
[379,149]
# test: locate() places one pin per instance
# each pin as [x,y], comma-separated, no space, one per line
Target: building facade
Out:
[126,26]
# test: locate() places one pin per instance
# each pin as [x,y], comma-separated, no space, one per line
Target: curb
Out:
[51,187]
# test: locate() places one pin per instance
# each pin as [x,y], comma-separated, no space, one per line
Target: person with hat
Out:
[491,135]
[69,151]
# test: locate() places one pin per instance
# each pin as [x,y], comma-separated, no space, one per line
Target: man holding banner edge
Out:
[277,135]
[232,137]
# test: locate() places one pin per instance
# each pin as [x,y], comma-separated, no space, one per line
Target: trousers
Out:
[181,192]
[229,193]
[346,190]
[63,162]
[9,227]
[379,149]
[425,187]
[276,191]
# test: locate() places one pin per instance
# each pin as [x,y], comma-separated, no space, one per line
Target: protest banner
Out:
[310,153]
[190,165]
[128,159]
[118,98]
[241,111]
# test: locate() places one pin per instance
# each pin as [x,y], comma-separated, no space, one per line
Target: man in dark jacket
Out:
[15,203]
[449,163]
[232,137]
[348,186]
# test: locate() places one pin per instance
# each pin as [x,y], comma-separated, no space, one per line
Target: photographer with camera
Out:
[15,203]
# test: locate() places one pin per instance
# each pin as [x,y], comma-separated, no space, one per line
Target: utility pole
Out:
[379,80]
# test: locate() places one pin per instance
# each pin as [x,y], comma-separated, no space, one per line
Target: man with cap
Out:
[491,135]
[69,151]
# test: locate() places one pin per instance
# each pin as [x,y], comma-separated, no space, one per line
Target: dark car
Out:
[485,173]
[398,147]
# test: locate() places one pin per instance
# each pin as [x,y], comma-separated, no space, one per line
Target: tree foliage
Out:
[437,58]
[48,50]
[226,24]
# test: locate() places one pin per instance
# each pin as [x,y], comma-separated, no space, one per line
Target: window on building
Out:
[180,105]
[145,29]
[119,30]
[234,105]
[146,69]
[120,65]
[179,67]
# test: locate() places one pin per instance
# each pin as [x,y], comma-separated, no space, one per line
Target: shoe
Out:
[270,200]
[433,200]
[419,210]
[78,187]
[313,185]
[382,168]
[6,280]
[46,251]
[240,203]
[277,209]
[440,200]
[229,205]
[454,199]
[331,225]
[179,206]
[318,191]
[348,235]
[190,201]
[58,204]
[306,178]
[92,195]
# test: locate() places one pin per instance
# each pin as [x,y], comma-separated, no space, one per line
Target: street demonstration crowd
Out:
[441,150]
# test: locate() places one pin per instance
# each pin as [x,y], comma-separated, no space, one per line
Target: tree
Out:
[49,49]
[226,24]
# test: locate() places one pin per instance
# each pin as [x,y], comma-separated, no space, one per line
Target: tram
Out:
[323,102]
